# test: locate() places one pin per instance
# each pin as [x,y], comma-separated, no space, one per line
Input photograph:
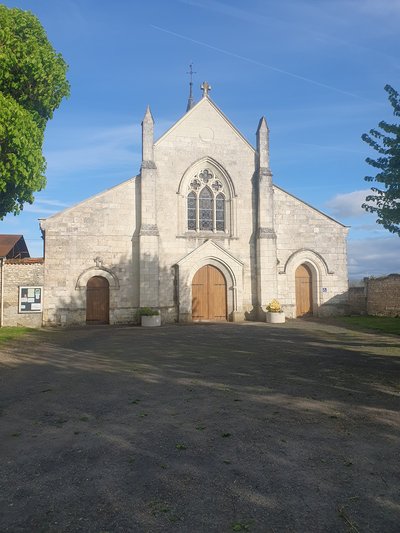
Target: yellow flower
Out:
[274,307]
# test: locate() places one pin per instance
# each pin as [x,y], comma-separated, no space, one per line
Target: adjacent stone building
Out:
[21,289]
[21,284]
[202,233]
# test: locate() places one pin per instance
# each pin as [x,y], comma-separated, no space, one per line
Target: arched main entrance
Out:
[209,294]
[97,300]
[304,302]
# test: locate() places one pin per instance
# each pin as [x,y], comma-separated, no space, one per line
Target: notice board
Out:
[30,299]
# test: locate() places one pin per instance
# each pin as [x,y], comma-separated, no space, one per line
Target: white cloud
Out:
[94,149]
[373,257]
[348,204]
[115,150]
[47,201]
[37,208]
[45,206]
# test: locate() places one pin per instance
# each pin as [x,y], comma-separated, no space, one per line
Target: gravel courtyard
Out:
[200,428]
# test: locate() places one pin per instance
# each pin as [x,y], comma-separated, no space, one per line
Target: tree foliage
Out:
[32,84]
[21,161]
[385,200]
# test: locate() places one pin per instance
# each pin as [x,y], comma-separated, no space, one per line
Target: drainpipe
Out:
[2,259]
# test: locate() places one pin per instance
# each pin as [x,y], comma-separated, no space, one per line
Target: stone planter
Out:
[275,318]
[150,321]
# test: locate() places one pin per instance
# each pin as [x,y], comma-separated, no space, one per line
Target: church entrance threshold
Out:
[209,295]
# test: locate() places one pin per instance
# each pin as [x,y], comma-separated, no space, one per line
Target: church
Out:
[201,234]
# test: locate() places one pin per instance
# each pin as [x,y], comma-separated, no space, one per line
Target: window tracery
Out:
[206,203]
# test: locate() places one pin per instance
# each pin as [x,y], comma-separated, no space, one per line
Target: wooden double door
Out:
[209,294]
[304,299]
[97,301]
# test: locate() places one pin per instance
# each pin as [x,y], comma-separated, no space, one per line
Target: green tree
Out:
[32,84]
[385,200]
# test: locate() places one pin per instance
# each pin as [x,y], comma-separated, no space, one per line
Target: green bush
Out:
[147,311]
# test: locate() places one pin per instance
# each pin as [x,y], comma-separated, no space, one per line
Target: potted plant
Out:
[275,314]
[149,317]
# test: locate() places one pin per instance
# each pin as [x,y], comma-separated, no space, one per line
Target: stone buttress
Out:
[265,231]
[148,234]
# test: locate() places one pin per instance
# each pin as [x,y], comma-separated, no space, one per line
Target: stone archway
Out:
[98,300]
[209,296]
[304,291]
[210,253]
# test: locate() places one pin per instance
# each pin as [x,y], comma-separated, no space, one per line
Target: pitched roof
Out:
[13,246]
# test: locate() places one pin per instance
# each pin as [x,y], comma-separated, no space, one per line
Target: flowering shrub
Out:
[274,307]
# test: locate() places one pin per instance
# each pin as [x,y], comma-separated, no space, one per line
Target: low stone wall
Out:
[357,301]
[378,297]
[383,295]
[21,273]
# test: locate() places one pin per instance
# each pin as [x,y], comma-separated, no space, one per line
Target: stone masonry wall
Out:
[305,235]
[203,133]
[94,238]
[357,301]
[383,295]
[20,273]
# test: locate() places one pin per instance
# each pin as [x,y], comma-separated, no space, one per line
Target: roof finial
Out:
[205,87]
[190,103]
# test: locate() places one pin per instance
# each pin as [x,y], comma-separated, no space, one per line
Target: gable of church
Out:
[206,127]
[98,213]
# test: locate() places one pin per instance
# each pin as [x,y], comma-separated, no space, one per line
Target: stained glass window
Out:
[206,210]
[206,202]
[220,212]
[191,210]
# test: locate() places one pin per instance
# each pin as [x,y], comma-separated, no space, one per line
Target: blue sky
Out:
[315,68]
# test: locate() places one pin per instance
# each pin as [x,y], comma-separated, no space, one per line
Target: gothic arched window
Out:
[206,203]
[192,210]
[206,210]
[220,212]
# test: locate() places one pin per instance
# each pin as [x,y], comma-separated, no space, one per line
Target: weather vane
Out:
[191,72]
[190,100]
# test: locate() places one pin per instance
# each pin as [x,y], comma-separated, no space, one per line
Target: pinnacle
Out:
[262,125]
[148,117]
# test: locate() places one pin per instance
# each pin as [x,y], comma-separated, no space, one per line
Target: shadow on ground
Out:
[200,428]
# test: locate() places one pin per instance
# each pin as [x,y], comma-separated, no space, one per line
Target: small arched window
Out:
[206,203]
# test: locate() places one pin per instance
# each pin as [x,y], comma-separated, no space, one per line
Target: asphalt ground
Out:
[200,428]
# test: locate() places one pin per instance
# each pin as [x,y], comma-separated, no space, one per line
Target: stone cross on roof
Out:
[205,87]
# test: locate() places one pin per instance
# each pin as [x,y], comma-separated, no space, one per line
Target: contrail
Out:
[259,63]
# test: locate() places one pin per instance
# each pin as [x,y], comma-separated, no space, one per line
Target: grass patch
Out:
[9,334]
[378,323]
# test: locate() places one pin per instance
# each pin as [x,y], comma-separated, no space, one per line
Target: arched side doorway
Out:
[97,300]
[304,299]
[209,294]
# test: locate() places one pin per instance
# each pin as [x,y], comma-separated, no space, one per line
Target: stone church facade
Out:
[201,233]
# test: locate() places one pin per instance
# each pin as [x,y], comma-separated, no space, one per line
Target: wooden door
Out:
[304,301]
[97,301]
[209,294]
